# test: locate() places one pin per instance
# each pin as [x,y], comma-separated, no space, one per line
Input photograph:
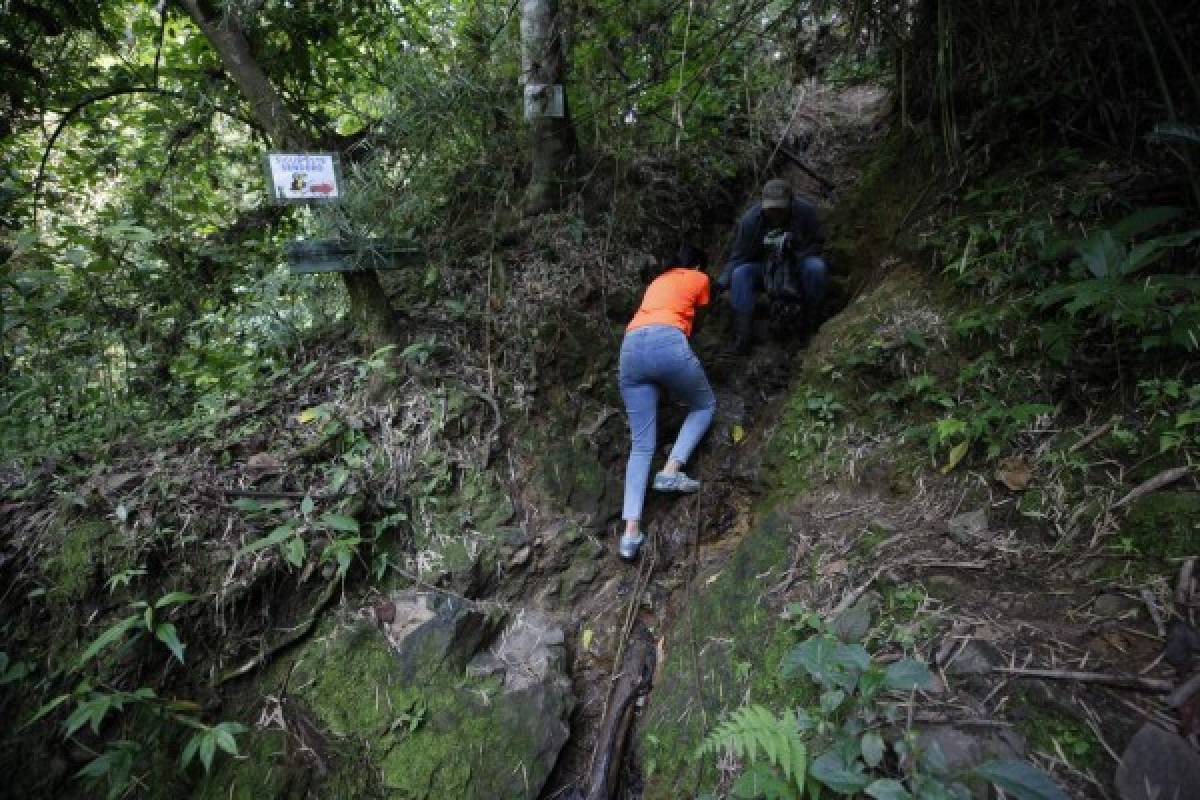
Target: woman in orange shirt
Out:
[655,355]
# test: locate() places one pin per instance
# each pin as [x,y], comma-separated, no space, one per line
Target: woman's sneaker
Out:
[630,544]
[675,482]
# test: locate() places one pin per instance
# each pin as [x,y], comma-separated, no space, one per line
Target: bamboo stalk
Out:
[1104,678]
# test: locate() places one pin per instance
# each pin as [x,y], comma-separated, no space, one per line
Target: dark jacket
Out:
[807,234]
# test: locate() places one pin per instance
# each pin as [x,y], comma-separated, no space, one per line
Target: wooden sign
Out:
[340,255]
[304,177]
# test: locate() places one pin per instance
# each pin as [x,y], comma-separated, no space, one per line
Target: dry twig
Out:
[1093,436]
[1104,678]
[1164,478]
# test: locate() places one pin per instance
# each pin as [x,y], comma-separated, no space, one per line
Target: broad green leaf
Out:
[340,522]
[225,740]
[1101,254]
[312,414]
[1144,219]
[208,748]
[887,789]
[1020,779]
[113,634]
[174,599]
[294,551]
[908,674]
[307,505]
[189,750]
[760,782]
[1146,253]
[46,709]
[248,504]
[130,232]
[830,770]
[91,711]
[873,748]
[956,455]
[277,536]
[931,788]
[166,634]
[831,700]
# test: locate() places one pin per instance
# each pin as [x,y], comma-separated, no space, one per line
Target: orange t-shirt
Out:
[672,299]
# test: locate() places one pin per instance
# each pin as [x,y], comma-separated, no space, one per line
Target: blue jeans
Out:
[745,278]
[653,358]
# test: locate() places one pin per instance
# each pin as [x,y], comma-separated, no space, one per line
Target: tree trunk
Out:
[369,308]
[543,63]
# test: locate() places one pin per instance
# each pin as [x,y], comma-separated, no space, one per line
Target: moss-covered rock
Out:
[83,554]
[261,774]
[406,702]
[736,656]
[461,532]
[571,473]
[1164,525]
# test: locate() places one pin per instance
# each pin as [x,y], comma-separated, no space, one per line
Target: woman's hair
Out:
[688,255]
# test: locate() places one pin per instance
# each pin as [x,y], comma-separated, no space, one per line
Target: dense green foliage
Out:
[146,308]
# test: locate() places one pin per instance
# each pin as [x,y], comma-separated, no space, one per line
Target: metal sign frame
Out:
[544,101]
[333,195]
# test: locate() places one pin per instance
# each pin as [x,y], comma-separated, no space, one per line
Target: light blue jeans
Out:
[653,358]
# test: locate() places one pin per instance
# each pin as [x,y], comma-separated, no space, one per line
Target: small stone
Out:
[967,528]
[521,557]
[263,462]
[977,657]
[961,751]
[1158,765]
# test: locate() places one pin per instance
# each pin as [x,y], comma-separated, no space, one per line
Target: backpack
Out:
[781,279]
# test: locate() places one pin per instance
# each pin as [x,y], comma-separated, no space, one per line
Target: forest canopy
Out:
[143,267]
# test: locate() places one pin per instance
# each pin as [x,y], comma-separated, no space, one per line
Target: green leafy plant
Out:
[851,731]
[816,413]
[114,766]
[145,619]
[991,422]
[1112,290]
[13,671]
[342,533]
[208,739]
[753,732]
[123,578]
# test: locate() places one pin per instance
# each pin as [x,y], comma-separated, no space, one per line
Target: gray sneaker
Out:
[630,544]
[678,482]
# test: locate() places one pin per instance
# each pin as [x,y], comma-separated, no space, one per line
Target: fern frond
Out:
[754,729]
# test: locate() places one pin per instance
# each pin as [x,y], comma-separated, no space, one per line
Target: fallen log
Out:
[613,739]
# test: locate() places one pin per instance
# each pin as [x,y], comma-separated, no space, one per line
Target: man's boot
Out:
[743,330]
[812,319]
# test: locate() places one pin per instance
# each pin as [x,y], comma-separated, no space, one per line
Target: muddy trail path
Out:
[622,618]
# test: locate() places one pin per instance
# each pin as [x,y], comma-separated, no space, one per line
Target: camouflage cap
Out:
[776,194]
